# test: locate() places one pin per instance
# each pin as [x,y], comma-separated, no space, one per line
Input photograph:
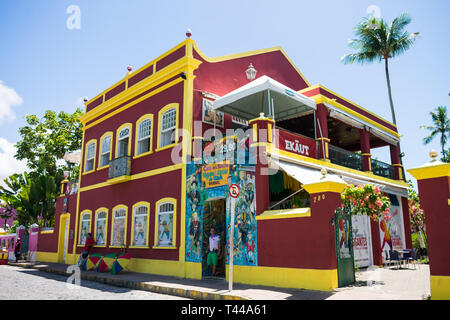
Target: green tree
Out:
[378,40]
[44,141]
[441,126]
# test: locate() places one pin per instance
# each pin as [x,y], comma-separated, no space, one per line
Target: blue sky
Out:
[45,65]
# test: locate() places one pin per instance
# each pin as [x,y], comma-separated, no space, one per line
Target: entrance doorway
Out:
[214,216]
[63,240]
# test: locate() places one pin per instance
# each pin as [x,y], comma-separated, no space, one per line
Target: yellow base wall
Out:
[311,279]
[440,287]
[46,256]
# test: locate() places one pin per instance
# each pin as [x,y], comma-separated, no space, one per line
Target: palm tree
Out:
[441,125]
[376,40]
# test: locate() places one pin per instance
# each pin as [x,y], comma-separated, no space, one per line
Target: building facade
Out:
[162,146]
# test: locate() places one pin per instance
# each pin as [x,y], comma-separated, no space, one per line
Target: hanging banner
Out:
[392,232]
[361,240]
[295,143]
[215,175]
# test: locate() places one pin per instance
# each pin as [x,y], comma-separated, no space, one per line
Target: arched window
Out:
[101,226]
[144,135]
[105,149]
[90,156]
[123,140]
[165,222]
[140,224]
[119,226]
[85,226]
[168,122]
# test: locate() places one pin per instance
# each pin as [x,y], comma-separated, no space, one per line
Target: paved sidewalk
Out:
[376,284]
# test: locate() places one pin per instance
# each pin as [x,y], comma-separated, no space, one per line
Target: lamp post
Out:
[251,72]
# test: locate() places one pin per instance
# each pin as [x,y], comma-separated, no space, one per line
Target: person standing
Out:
[17,249]
[89,243]
[214,250]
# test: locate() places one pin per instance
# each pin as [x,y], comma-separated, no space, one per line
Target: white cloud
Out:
[8,99]
[9,164]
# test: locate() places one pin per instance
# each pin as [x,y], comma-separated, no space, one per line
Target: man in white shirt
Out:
[214,250]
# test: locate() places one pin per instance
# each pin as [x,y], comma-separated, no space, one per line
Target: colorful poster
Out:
[215,175]
[100,232]
[165,229]
[361,240]
[85,229]
[392,234]
[118,232]
[208,113]
[140,230]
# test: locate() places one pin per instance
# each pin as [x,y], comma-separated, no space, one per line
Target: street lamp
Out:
[251,72]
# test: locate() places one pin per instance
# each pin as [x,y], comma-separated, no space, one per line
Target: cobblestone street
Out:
[30,284]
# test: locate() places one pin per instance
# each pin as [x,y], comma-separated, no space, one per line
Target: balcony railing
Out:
[382,169]
[345,158]
[119,167]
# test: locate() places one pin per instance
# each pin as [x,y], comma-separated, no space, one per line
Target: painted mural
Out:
[208,205]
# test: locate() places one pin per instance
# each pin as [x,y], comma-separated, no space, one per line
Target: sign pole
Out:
[234,193]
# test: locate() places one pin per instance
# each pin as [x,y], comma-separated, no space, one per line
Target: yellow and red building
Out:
[149,184]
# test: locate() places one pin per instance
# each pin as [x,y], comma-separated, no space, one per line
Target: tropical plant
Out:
[416,214]
[378,40]
[441,127]
[366,200]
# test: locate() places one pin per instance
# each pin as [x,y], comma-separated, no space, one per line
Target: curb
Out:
[180,292]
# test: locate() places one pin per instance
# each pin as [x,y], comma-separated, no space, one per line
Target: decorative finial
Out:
[324,172]
[188,33]
[85,99]
[129,68]
[433,154]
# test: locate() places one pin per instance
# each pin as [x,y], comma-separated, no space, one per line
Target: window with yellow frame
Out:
[119,226]
[85,226]
[168,125]
[101,227]
[105,150]
[123,142]
[89,164]
[144,136]
[165,223]
[140,224]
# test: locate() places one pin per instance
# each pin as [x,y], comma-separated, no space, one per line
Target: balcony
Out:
[119,170]
[345,158]
[382,169]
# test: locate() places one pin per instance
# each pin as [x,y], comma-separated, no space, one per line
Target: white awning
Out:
[304,175]
[248,101]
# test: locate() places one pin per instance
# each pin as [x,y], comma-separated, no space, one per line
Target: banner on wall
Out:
[391,232]
[361,240]
[215,175]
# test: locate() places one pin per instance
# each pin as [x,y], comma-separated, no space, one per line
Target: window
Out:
[168,122]
[144,134]
[119,226]
[90,156]
[140,224]
[105,149]
[123,140]
[101,226]
[85,226]
[165,222]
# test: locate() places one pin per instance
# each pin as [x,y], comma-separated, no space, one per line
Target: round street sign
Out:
[234,190]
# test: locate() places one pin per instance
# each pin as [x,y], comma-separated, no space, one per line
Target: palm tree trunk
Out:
[389,89]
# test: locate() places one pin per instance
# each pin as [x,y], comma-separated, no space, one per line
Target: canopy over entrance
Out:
[265,95]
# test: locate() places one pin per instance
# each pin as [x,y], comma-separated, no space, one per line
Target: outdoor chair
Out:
[411,257]
[393,257]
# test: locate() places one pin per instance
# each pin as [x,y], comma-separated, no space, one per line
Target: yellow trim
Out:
[107,133]
[431,171]
[261,119]
[156,247]
[319,98]
[327,186]
[138,122]
[112,225]
[247,54]
[349,101]
[440,287]
[323,138]
[94,141]
[120,179]
[47,231]
[90,224]
[274,151]
[131,74]
[160,113]
[260,144]
[269,132]
[255,132]
[174,229]
[285,213]
[137,205]
[133,177]
[166,147]
[47,256]
[62,236]
[130,137]
[311,279]
[102,209]
[154,266]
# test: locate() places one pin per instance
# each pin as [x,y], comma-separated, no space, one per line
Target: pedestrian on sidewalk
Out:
[214,250]
[88,244]
[17,249]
